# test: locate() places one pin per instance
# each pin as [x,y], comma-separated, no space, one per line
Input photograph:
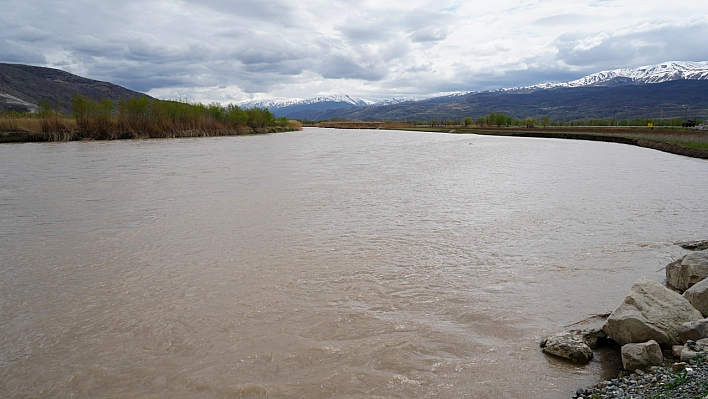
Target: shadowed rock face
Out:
[650,311]
[23,86]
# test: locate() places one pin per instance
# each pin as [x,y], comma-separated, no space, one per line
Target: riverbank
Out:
[659,382]
[643,140]
[138,118]
[67,135]
[690,143]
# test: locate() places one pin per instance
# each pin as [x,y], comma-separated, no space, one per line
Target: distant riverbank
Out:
[687,142]
[691,143]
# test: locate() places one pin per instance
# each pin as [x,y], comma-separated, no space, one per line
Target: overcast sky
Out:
[235,50]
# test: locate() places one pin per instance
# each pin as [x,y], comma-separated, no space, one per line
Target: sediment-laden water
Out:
[324,263]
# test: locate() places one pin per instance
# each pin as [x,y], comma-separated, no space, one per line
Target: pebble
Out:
[658,382]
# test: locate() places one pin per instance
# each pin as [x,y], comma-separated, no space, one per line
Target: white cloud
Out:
[232,50]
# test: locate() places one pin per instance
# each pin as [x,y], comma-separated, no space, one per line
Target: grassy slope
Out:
[31,84]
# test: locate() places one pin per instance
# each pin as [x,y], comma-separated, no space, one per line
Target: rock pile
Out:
[650,318]
[658,382]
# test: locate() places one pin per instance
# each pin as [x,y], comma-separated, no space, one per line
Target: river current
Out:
[324,263]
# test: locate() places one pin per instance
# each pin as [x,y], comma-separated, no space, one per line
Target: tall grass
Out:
[294,125]
[142,117]
[27,124]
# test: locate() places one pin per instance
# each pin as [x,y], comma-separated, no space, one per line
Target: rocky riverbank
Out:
[69,135]
[658,382]
[662,331]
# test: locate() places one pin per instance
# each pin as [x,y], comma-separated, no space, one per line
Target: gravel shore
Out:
[659,382]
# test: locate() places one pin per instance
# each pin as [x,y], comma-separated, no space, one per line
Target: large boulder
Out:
[650,311]
[570,345]
[687,271]
[641,356]
[694,330]
[698,296]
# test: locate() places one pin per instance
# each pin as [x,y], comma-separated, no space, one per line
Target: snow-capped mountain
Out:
[393,100]
[648,74]
[343,99]
[324,107]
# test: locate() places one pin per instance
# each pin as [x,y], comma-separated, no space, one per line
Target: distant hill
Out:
[23,86]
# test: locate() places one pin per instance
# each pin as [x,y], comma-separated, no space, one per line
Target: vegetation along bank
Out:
[139,117]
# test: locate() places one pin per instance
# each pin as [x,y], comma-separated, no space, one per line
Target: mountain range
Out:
[660,73]
[668,90]
[322,103]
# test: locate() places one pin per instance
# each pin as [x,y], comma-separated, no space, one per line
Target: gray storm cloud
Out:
[215,50]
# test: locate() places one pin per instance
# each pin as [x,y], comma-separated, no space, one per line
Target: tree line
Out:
[499,119]
[502,120]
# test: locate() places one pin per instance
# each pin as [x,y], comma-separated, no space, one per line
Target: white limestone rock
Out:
[569,345]
[693,330]
[641,356]
[697,296]
[650,311]
[687,271]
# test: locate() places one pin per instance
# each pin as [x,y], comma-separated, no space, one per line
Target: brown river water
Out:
[324,263]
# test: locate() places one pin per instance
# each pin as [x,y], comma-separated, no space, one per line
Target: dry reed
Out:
[294,125]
